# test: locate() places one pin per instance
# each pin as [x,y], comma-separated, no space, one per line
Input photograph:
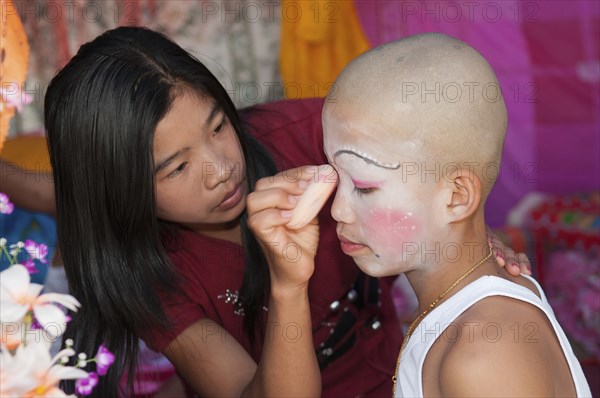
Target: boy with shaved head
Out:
[415,130]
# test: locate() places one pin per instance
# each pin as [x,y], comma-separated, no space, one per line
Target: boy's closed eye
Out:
[364,191]
[364,187]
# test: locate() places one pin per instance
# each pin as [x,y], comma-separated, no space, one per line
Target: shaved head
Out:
[429,95]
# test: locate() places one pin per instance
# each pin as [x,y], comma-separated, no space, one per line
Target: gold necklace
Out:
[428,310]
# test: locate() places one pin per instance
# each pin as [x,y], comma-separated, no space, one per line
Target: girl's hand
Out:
[290,252]
[286,365]
[514,263]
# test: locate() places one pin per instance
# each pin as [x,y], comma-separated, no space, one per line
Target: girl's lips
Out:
[350,247]
[232,199]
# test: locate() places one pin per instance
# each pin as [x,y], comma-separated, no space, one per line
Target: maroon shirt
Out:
[212,272]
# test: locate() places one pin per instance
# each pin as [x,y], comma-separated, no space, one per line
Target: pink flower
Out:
[86,385]
[104,358]
[36,252]
[6,207]
[30,265]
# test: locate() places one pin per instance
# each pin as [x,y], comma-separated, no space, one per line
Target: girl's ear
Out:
[462,194]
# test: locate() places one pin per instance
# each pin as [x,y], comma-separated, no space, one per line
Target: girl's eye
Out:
[364,191]
[221,126]
[178,170]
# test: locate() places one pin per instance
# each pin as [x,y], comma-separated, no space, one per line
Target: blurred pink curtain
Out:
[546,56]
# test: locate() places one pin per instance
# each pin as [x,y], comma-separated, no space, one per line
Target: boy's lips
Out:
[349,247]
[232,198]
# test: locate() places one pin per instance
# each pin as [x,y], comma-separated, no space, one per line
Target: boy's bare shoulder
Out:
[506,347]
[502,309]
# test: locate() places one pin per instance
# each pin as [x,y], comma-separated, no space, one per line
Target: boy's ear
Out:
[463,194]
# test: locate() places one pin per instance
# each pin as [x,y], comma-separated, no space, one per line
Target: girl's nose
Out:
[214,173]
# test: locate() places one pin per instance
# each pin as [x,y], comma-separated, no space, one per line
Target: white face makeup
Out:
[381,219]
[394,220]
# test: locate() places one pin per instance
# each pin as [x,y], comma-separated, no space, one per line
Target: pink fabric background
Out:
[546,56]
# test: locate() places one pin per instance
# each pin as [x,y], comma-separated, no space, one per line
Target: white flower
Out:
[15,375]
[30,372]
[18,297]
[12,334]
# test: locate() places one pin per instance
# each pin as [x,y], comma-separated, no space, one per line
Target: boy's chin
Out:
[374,268]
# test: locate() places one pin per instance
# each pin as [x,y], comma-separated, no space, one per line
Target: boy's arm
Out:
[493,370]
[513,354]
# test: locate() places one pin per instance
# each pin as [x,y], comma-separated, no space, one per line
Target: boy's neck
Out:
[455,257]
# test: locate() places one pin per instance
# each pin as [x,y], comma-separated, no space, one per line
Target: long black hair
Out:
[101,111]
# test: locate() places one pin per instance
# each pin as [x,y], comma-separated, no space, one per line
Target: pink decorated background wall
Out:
[546,55]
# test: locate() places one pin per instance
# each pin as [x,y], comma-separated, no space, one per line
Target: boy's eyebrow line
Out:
[168,160]
[368,159]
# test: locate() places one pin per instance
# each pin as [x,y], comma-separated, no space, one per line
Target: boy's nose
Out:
[341,210]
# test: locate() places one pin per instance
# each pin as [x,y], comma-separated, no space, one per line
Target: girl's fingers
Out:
[510,261]
[513,268]
[498,249]
[293,179]
[270,198]
[499,257]
[314,197]
[266,220]
[525,264]
[280,191]
[514,263]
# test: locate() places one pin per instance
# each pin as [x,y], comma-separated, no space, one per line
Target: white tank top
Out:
[410,372]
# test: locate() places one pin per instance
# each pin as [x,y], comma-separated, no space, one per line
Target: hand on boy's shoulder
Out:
[506,347]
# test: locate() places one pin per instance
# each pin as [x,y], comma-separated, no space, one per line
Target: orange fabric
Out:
[14,60]
[318,39]
[28,152]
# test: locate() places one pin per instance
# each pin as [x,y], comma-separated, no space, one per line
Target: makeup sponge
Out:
[314,197]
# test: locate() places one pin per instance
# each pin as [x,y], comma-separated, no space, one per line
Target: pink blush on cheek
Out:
[388,229]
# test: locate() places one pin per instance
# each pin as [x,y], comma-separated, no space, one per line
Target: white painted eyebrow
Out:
[367,158]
